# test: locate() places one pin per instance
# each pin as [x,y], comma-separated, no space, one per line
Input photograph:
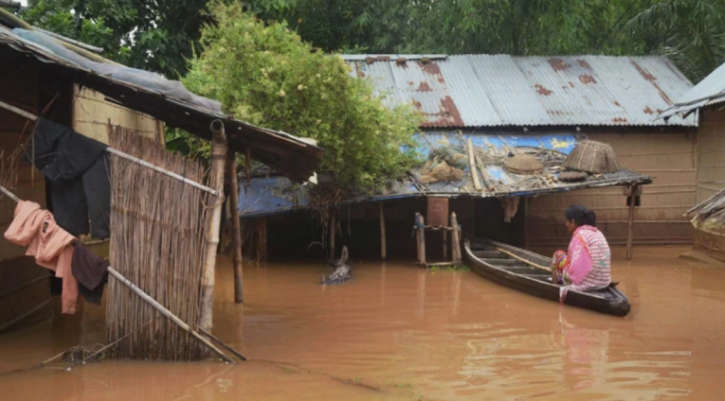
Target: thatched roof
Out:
[709,215]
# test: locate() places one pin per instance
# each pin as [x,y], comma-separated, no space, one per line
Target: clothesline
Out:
[176,320]
[118,153]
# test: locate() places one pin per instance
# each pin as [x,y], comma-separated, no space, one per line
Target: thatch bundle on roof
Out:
[710,215]
[523,164]
[593,157]
[572,176]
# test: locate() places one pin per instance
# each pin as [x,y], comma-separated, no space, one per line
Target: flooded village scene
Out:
[360,200]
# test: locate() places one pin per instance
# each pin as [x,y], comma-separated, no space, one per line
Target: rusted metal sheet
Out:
[437,214]
[501,90]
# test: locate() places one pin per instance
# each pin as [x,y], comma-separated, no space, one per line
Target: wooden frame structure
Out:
[455,230]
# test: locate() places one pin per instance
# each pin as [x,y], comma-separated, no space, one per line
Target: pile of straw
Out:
[157,242]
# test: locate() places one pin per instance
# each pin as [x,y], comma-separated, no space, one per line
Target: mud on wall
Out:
[92,112]
[711,153]
[669,157]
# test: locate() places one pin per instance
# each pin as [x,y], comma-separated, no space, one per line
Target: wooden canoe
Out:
[522,270]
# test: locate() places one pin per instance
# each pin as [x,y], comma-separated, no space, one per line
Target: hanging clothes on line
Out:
[91,271]
[49,244]
[77,169]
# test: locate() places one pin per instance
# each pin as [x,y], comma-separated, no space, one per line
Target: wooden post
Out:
[421,240]
[333,231]
[383,244]
[455,240]
[216,181]
[417,236]
[445,245]
[472,166]
[630,221]
[236,230]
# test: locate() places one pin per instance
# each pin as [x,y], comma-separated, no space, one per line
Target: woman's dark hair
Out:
[581,215]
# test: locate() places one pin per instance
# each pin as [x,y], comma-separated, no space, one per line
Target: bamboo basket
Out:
[523,164]
[593,157]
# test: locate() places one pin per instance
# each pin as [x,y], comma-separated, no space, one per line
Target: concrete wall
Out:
[669,157]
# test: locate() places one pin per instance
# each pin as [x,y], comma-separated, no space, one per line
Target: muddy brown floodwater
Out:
[400,333]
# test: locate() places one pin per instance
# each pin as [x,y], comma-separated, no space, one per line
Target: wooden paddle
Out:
[528,262]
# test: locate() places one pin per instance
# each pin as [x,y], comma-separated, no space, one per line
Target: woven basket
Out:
[523,164]
[592,157]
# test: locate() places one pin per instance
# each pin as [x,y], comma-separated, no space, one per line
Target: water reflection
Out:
[412,333]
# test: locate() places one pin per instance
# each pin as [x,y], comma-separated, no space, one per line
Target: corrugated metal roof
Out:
[710,90]
[273,195]
[502,90]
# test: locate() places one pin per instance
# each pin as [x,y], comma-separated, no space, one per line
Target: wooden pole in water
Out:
[421,239]
[332,228]
[216,181]
[237,233]
[383,244]
[445,245]
[630,221]
[455,239]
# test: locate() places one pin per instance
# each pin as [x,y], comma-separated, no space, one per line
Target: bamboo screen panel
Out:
[157,242]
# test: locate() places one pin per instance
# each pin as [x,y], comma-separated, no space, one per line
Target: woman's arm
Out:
[581,261]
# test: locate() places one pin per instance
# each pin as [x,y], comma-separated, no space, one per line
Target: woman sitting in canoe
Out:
[587,264]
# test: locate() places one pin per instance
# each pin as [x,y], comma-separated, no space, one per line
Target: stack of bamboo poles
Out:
[157,242]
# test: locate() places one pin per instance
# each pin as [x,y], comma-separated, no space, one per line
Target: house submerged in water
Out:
[510,106]
[708,217]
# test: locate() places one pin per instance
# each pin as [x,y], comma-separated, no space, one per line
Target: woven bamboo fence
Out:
[157,242]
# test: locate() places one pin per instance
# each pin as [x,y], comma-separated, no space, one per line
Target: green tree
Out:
[153,35]
[690,32]
[266,74]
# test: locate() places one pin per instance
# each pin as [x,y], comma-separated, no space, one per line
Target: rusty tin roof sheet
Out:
[502,90]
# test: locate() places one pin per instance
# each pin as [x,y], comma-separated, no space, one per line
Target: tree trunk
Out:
[236,231]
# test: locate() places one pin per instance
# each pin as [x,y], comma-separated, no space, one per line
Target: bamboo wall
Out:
[711,153]
[91,113]
[669,157]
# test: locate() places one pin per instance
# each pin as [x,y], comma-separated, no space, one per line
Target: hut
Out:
[507,105]
[68,83]
[704,101]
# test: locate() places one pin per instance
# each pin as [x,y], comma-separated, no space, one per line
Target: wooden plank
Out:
[472,166]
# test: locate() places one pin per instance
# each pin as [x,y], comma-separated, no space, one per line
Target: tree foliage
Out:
[265,74]
[160,35]
[153,35]
[690,32]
